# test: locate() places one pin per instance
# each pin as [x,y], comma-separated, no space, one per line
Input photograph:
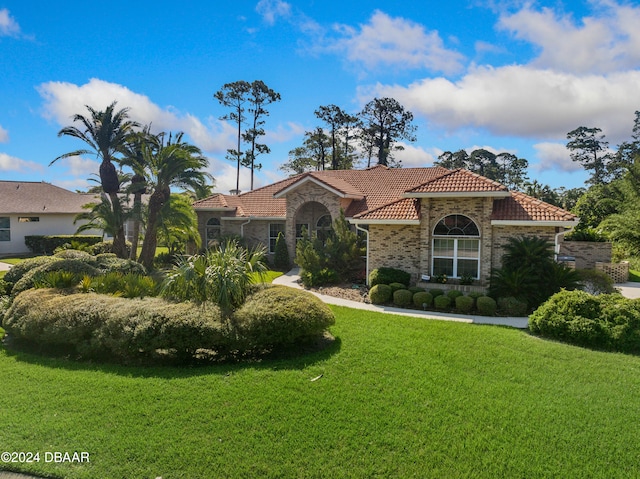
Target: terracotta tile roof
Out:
[406,209]
[521,207]
[459,181]
[383,194]
[29,197]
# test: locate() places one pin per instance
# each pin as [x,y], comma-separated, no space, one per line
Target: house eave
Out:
[357,221]
[460,194]
[297,184]
[253,218]
[565,223]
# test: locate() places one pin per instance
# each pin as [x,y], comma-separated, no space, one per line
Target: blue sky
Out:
[503,75]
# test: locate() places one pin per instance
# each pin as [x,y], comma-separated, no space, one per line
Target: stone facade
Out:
[395,246]
[501,235]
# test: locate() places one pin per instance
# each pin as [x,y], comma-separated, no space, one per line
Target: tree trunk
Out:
[119,240]
[156,202]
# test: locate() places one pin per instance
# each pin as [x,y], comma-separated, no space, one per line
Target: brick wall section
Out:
[395,246]
[586,253]
[618,272]
[501,235]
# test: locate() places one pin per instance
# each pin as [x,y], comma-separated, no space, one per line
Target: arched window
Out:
[456,247]
[324,227]
[213,229]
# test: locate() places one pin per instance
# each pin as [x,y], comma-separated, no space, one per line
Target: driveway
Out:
[629,290]
[4,266]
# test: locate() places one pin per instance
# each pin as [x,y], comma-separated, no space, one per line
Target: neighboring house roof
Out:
[35,198]
[389,195]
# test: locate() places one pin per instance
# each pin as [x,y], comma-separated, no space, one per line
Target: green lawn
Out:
[398,397]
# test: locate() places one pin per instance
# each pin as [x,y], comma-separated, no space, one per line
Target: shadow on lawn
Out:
[296,358]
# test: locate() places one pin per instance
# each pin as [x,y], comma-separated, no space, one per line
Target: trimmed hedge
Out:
[402,298]
[19,270]
[279,316]
[464,304]
[454,293]
[512,306]
[380,294]
[388,276]
[442,302]
[99,326]
[396,287]
[47,244]
[606,321]
[436,292]
[422,298]
[76,266]
[486,306]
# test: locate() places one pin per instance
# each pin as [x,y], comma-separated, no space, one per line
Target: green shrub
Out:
[380,294]
[17,271]
[453,294]
[436,292]
[95,325]
[75,254]
[109,262]
[280,316]
[402,298]
[56,279]
[475,295]
[422,299]
[76,266]
[48,244]
[5,288]
[442,302]
[388,275]
[417,289]
[281,258]
[396,286]
[512,306]
[319,278]
[464,304]
[486,306]
[596,282]
[128,285]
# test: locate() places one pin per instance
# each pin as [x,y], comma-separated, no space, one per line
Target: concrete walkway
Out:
[292,279]
[4,267]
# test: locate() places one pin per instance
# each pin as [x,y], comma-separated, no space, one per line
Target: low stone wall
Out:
[586,253]
[618,272]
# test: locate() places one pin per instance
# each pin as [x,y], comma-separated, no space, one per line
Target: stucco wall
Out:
[48,224]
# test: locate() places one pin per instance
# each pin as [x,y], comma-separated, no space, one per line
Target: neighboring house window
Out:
[300,229]
[213,229]
[274,230]
[28,219]
[456,247]
[323,227]
[5,228]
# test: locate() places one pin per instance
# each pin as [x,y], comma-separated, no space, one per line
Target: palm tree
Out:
[179,223]
[101,216]
[106,132]
[174,164]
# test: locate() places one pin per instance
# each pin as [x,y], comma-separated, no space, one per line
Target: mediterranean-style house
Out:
[426,221]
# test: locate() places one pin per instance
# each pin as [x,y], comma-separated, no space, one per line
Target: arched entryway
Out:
[313,217]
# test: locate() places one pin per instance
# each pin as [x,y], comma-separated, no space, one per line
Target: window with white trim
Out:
[274,230]
[456,247]
[5,228]
[213,229]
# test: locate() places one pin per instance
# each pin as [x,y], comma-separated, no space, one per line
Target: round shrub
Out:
[280,316]
[109,262]
[454,293]
[486,306]
[380,294]
[388,276]
[571,316]
[442,302]
[19,270]
[76,266]
[396,286]
[416,289]
[75,254]
[422,299]
[475,295]
[512,306]
[464,304]
[402,298]
[436,292]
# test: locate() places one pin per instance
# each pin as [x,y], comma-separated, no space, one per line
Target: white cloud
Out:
[415,156]
[398,42]
[63,100]
[523,101]
[604,43]
[554,156]
[4,135]
[271,10]
[79,166]
[8,26]
[11,163]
